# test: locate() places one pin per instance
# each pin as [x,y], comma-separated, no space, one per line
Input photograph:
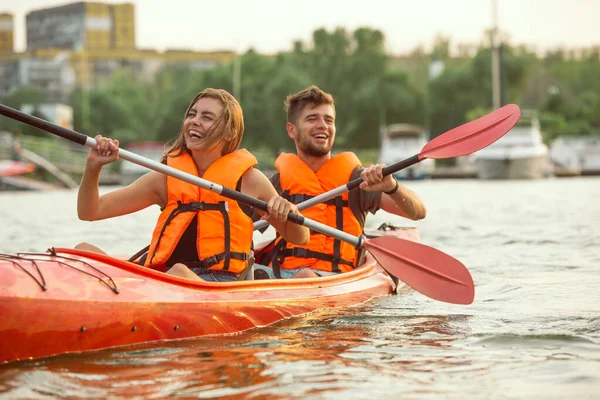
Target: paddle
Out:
[459,141]
[427,270]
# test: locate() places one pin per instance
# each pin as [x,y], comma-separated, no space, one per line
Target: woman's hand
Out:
[279,208]
[105,151]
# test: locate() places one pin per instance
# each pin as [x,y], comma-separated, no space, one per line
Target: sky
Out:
[270,26]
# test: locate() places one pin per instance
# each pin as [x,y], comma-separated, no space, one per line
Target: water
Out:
[533,331]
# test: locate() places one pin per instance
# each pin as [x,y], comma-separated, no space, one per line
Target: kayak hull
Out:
[72,301]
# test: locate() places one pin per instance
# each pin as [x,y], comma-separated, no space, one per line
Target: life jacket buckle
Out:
[210,261]
[196,206]
[301,252]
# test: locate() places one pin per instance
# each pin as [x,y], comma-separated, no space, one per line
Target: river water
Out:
[533,331]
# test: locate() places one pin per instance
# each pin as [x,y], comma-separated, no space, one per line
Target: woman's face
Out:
[198,126]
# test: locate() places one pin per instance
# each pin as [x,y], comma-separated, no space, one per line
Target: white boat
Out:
[402,141]
[520,154]
[580,153]
[590,164]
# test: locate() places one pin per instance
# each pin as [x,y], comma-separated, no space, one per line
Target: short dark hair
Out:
[312,95]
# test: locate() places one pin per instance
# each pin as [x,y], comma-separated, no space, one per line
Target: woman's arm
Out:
[149,189]
[256,184]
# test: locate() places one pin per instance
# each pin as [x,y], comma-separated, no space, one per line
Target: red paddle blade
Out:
[474,135]
[427,270]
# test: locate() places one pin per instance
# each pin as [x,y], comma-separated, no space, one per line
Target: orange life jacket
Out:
[224,234]
[299,183]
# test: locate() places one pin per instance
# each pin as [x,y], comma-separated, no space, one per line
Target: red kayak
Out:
[68,301]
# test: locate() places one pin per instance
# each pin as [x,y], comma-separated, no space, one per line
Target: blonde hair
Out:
[231,122]
[312,96]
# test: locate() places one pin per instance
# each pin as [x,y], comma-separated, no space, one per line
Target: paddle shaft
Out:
[322,198]
[354,184]
[165,169]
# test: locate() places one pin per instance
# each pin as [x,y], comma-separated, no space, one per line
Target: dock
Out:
[454,172]
[39,161]
[25,183]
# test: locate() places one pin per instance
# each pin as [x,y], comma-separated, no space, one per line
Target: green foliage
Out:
[477,112]
[24,95]
[463,87]
[21,96]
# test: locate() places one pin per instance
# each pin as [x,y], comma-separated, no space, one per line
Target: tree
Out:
[23,95]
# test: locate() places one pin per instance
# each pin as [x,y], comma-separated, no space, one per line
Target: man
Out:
[313,171]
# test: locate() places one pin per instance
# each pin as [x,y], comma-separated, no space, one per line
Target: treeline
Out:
[371,88]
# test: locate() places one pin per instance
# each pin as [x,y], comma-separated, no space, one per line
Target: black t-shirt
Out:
[185,251]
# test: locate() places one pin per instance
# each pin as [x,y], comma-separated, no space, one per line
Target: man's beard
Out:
[309,148]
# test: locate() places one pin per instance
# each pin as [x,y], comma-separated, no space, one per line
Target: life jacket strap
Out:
[299,198]
[306,253]
[217,258]
[196,206]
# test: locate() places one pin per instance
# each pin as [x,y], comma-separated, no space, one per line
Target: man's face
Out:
[314,132]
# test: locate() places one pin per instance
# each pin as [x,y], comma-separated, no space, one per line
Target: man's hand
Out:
[373,179]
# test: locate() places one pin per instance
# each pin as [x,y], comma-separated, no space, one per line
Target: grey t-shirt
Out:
[360,202]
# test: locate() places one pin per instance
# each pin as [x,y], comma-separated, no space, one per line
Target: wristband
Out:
[395,189]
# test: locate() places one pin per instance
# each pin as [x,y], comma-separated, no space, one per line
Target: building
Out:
[81,45]
[90,26]
[52,76]
[6,34]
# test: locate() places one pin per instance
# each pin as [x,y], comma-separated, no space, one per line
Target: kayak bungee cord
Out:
[12,259]
[62,260]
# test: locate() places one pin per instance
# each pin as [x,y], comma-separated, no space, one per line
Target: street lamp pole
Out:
[237,78]
[496,89]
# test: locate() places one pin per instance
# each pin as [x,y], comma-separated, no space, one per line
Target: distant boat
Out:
[520,154]
[13,168]
[401,141]
[580,153]
[13,173]
[12,176]
[130,171]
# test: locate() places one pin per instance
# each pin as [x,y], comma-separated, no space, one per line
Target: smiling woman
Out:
[213,122]
[199,234]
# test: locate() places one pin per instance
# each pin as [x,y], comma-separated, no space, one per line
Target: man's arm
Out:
[403,202]
[399,200]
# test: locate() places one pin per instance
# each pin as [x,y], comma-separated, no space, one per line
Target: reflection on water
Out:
[309,356]
[532,332]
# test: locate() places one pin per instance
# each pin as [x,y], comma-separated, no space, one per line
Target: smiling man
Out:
[313,171]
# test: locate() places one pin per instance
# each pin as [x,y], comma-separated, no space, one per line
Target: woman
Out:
[199,235]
